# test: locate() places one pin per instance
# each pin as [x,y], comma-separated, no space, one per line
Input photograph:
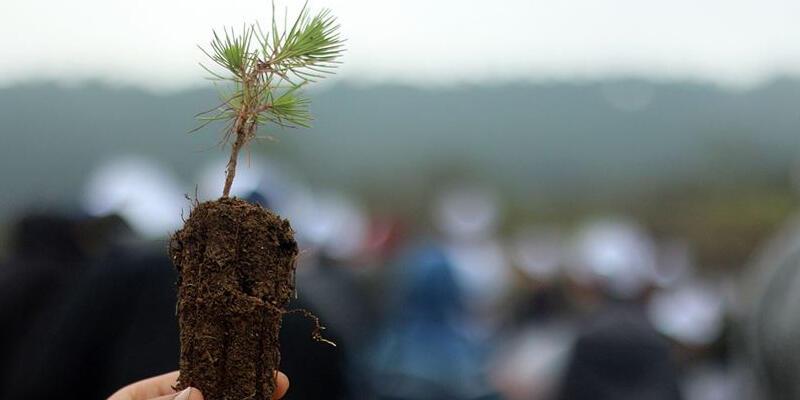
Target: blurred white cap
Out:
[614,253]
[691,314]
[327,220]
[466,211]
[140,191]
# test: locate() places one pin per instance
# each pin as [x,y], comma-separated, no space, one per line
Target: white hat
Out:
[615,253]
[140,191]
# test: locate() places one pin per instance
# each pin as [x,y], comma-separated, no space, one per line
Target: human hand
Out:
[160,388]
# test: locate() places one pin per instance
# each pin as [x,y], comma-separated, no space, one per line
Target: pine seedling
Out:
[236,260]
[260,75]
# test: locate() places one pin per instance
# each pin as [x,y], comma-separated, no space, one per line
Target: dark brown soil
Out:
[235,263]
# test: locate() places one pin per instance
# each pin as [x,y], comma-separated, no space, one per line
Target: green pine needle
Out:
[262,73]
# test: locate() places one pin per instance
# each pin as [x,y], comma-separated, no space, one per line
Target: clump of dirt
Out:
[236,264]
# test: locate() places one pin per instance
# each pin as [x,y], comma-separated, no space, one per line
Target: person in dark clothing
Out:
[424,351]
[773,323]
[45,258]
[115,327]
[619,356]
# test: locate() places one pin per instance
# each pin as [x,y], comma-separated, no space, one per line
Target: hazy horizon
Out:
[556,139]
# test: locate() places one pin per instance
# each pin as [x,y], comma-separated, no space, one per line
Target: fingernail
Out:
[184,394]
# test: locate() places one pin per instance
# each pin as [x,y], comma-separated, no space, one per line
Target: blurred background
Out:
[507,200]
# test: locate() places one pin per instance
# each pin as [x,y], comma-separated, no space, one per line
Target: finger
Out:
[148,388]
[186,394]
[282,385]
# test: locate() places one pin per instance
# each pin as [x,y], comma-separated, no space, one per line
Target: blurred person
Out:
[467,216]
[770,302]
[773,328]
[692,315]
[115,326]
[532,351]
[45,258]
[617,356]
[529,362]
[424,351]
[617,353]
[49,253]
[537,255]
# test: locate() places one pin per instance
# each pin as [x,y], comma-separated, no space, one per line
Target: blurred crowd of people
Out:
[447,309]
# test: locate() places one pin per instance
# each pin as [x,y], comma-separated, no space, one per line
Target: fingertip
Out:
[189,394]
[281,385]
[195,394]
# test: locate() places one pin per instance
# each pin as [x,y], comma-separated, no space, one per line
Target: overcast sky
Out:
[152,43]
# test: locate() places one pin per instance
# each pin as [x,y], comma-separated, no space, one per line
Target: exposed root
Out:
[316,334]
